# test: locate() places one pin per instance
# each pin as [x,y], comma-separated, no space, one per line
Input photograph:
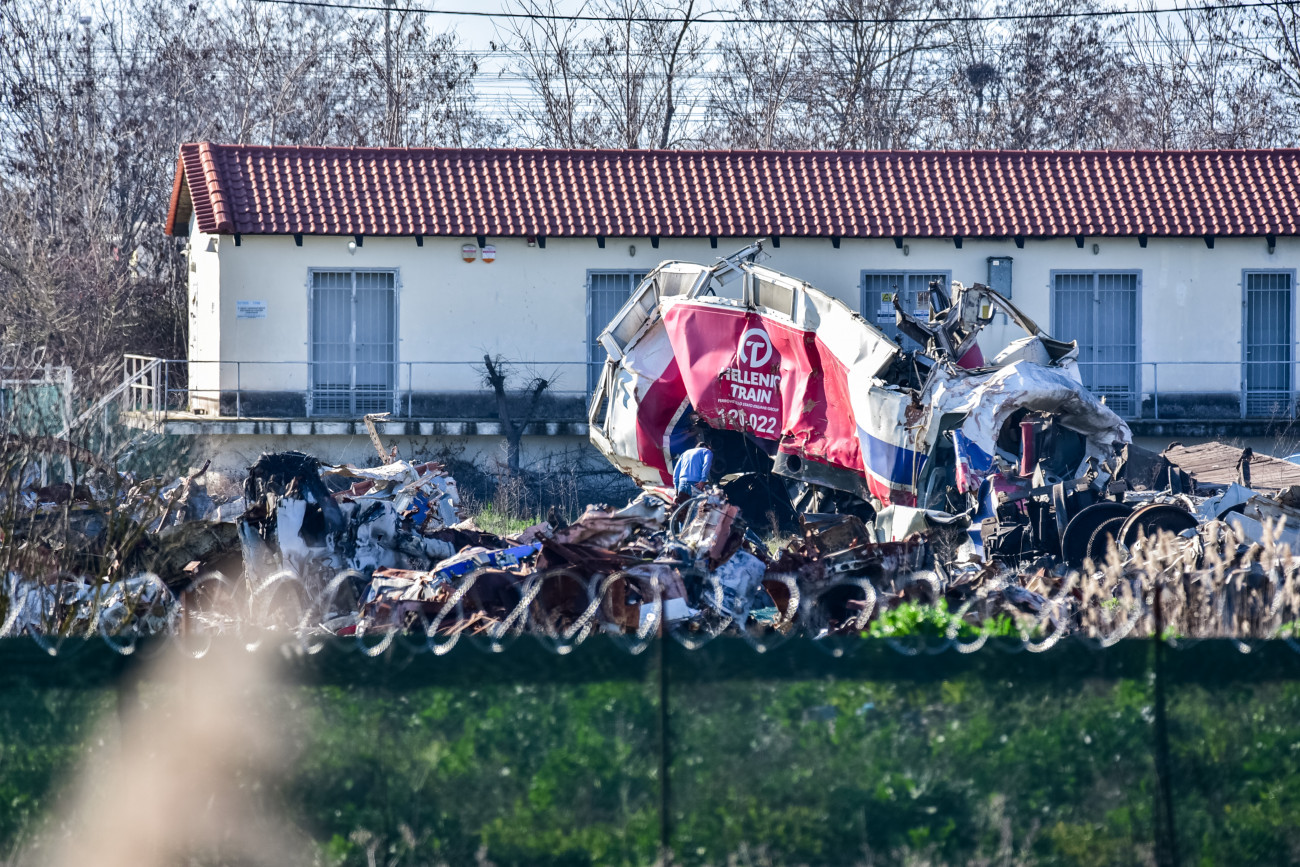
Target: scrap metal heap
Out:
[380,552]
[851,475]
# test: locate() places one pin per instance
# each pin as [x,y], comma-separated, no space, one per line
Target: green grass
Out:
[911,620]
[492,521]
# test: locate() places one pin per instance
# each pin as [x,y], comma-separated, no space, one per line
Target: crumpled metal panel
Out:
[812,379]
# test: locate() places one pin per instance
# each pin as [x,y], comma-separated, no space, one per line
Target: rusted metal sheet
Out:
[1218,464]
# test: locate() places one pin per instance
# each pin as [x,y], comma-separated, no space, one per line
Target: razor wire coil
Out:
[32,611]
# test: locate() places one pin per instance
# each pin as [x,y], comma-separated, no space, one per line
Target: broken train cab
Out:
[790,385]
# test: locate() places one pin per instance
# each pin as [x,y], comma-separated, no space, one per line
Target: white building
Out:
[327,283]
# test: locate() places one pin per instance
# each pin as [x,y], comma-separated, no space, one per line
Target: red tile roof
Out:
[864,194]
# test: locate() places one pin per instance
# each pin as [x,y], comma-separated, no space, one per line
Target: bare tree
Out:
[515,413]
[269,67]
[87,108]
[642,67]
[629,80]
[761,96]
[876,70]
[1192,87]
[847,74]
[420,95]
[1034,82]
[1271,40]
[94,104]
[546,54]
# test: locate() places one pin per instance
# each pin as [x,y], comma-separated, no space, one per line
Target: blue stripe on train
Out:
[898,465]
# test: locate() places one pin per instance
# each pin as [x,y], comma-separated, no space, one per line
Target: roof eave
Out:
[181,205]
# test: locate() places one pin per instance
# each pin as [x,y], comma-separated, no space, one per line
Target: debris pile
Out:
[318,520]
[109,553]
[849,473]
[382,551]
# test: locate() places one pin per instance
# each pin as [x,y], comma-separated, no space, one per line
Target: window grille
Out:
[607,292]
[1099,309]
[353,342]
[879,289]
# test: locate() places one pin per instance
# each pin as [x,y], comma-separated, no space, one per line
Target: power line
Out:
[504,52]
[954,19]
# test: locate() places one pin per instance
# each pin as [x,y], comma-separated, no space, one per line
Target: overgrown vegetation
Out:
[963,760]
[558,486]
[492,521]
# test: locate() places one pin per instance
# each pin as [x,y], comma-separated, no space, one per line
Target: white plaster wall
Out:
[530,304]
[205,313]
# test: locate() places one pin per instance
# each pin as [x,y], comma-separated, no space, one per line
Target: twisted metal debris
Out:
[665,574]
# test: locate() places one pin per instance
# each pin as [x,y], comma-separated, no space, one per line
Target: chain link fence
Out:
[862,752]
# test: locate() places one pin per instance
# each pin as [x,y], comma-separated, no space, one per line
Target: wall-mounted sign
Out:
[885,310]
[469,252]
[250,309]
[489,253]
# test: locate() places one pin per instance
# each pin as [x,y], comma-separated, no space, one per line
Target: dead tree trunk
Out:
[497,375]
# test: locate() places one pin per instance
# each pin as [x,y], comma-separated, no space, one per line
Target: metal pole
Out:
[1245,379]
[665,757]
[1166,831]
[68,407]
[85,84]
[239,389]
[1155,384]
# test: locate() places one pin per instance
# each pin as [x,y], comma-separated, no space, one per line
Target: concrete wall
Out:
[530,303]
[234,454]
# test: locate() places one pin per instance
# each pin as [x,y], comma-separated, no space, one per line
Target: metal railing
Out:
[144,384]
[240,389]
[243,389]
[1195,389]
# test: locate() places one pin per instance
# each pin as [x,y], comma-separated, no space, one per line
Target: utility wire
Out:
[953,19]
[716,51]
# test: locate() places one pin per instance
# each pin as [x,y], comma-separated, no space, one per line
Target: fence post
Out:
[239,389]
[1166,836]
[1155,385]
[157,384]
[665,799]
[1245,377]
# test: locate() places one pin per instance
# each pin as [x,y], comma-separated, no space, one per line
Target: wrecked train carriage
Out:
[828,397]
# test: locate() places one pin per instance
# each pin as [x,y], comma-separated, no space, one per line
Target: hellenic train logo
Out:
[755,348]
